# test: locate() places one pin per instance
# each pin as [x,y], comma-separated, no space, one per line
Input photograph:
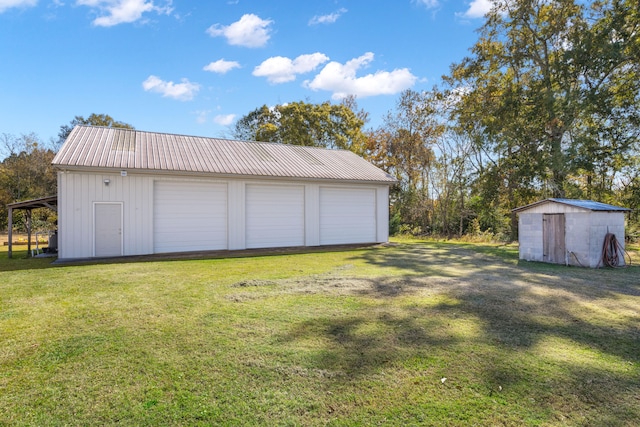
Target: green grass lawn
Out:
[419,333]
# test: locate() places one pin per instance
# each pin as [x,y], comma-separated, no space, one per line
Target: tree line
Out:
[26,171]
[547,104]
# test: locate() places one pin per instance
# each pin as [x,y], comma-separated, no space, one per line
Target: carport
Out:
[28,206]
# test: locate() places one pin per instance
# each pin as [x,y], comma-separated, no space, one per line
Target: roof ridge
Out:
[115,128]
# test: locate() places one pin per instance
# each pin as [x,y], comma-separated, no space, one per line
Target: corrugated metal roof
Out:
[114,148]
[583,204]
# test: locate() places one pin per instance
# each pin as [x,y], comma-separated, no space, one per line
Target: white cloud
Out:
[201,116]
[478,9]
[184,91]
[224,119]
[327,19]
[114,12]
[279,69]
[221,66]
[249,31]
[429,4]
[8,4]
[342,81]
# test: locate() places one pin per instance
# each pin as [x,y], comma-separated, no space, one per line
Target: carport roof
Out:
[92,147]
[578,203]
[50,202]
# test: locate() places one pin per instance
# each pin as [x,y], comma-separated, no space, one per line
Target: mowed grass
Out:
[419,333]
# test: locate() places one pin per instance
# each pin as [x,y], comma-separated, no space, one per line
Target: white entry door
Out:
[107,229]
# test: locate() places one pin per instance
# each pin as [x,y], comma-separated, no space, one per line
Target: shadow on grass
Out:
[354,349]
[522,301]
[20,261]
[565,337]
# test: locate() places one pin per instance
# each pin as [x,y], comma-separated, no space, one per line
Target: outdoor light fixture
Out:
[107,181]
[123,173]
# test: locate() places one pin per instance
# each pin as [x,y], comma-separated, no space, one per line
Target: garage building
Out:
[126,192]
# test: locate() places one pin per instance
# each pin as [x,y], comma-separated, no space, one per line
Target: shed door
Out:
[107,229]
[553,226]
[274,215]
[189,216]
[347,215]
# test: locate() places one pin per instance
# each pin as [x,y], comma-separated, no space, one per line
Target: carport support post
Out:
[10,231]
[28,212]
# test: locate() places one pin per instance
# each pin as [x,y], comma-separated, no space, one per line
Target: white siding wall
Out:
[312,214]
[382,214]
[77,192]
[237,215]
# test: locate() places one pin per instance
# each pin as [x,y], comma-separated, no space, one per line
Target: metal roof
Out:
[114,148]
[50,202]
[583,204]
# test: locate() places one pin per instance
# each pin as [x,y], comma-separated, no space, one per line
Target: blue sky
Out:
[194,68]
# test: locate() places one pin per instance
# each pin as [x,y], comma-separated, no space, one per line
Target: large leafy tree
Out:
[608,134]
[552,85]
[404,147]
[550,97]
[93,120]
[25,173]
[300,123]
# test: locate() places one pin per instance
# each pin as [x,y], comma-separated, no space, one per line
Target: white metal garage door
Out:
[347,215]
[274,216]
[189,216]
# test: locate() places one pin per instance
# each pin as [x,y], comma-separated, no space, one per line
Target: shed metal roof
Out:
[582,204]
[93,147]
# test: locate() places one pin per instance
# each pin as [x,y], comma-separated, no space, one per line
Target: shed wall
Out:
[584,235]
[554,208]
[530,236]
[577,238]
[78,191]
[602,223]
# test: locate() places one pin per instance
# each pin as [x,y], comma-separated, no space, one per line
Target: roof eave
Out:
[194,174]
[562,202]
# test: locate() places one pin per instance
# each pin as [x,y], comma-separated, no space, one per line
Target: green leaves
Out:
[26,172]
[93,120]
[298,123]
[552,88]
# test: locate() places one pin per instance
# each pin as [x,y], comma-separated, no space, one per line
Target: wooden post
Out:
[28,212]
[10,232]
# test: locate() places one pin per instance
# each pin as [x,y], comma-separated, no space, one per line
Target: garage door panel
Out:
[189,216]
[274,216]
[347,215]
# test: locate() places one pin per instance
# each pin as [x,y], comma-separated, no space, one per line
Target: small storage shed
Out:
[568,231]
[128,192]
